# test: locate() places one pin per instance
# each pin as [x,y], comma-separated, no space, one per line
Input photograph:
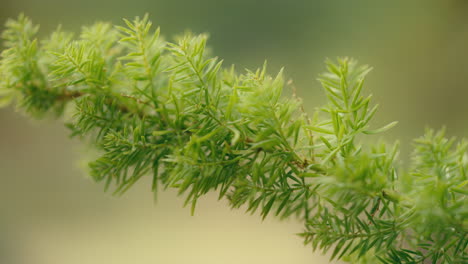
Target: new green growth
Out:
[170,111]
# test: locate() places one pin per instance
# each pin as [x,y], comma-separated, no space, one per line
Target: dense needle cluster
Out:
[169,111]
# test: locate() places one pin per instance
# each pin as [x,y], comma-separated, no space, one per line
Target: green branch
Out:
[171,112]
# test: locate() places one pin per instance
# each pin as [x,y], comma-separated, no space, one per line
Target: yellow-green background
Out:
[51,213]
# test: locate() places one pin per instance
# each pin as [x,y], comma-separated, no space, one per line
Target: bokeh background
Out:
[51,213]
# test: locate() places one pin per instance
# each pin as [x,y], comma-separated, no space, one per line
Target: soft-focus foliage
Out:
[170,111]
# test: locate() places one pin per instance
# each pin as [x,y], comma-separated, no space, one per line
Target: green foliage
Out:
[170,111]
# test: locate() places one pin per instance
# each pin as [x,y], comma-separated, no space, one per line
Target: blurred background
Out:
[51,213]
